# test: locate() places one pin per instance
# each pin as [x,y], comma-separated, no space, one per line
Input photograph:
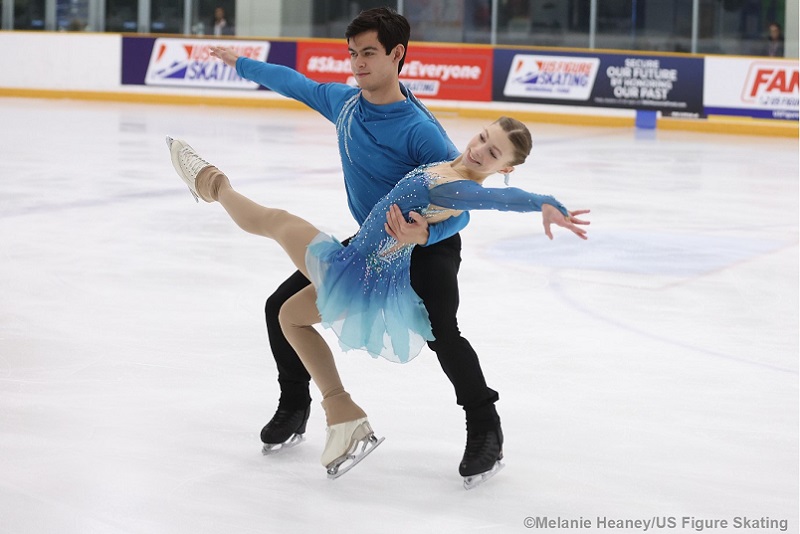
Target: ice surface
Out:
[651,371]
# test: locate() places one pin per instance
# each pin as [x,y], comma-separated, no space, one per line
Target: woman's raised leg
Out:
[206,181]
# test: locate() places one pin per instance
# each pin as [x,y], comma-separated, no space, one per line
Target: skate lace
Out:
[192,162]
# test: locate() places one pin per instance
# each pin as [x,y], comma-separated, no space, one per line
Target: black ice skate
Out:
[482,457]
[285,429]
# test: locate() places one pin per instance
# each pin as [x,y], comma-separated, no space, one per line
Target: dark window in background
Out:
[29,14]
[166,16]
[122,16]
[738,26]
[72,15]
[331,17]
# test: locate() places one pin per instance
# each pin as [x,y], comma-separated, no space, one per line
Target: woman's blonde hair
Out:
[520,138]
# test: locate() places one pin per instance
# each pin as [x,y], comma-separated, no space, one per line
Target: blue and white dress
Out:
[364,290]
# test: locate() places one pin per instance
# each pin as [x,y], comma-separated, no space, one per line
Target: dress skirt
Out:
[367,299]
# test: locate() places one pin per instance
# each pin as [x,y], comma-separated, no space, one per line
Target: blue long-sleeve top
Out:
[378,144]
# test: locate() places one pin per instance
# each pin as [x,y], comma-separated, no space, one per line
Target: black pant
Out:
[434,276]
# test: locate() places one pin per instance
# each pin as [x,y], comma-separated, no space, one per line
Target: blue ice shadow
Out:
[663,254]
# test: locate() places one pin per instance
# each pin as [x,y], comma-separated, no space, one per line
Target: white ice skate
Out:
[474,481]
[347,444]
[186,163]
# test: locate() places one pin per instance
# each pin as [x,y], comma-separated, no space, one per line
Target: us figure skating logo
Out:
[551,77]
[188,63]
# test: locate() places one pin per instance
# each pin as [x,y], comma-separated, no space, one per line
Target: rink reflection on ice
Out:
[649,372]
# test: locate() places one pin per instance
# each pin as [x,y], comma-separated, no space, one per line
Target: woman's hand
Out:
[551,215]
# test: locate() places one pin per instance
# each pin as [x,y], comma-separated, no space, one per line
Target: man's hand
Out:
[415,232]
[551,215]
[226,54]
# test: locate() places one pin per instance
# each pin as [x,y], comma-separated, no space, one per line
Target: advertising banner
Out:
[672,85]
[180,62]
[443,72]
[325,62]
[449,73]
[761,88]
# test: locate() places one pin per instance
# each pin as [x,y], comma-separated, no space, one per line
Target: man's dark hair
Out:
[393,29]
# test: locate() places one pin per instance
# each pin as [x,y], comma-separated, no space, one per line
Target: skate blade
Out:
[474,481]
[360,451]
[274,448]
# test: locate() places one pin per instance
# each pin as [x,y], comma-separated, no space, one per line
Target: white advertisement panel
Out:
[552,77]
[762,88]
[188,63]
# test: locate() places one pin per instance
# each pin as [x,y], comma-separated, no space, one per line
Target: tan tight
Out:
[296,317]
[299,313]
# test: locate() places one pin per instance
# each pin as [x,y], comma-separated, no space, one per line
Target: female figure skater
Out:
[362,291]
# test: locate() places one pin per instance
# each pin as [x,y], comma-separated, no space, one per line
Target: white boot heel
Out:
[347,444]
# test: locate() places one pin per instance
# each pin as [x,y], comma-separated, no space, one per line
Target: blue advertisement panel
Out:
[670,84]
[186,62]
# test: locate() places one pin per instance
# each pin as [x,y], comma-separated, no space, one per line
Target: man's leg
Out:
[289,421]
[458,359]
[292,375]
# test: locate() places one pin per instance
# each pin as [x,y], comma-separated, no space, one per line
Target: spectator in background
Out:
[220,24]
[775,40]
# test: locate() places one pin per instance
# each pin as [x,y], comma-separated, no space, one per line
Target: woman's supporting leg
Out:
[297,316]
[349,434]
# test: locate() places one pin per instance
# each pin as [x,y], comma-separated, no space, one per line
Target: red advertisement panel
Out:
[324,61]
[442,72]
